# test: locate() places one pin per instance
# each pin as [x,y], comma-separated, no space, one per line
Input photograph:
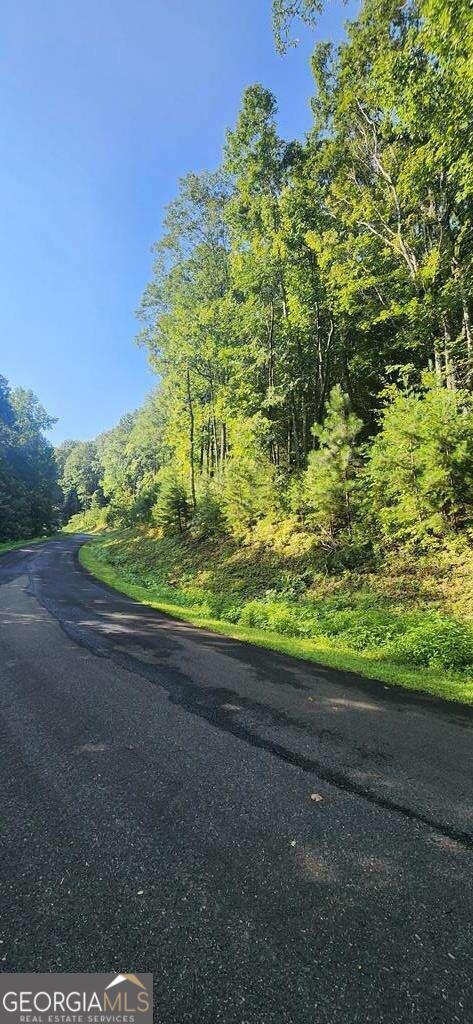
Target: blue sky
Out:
[105,104]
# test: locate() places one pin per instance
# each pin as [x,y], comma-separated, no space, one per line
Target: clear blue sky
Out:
[105,104]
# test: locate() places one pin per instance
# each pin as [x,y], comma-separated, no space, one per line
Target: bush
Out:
[282,616]
[362,629]
[92,520]
[278,617]
[441,643]
[140,510]
[171,510]
[419,473]
[328,491]
[208,519]
[249,491]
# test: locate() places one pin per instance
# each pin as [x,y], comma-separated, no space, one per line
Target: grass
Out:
[12,545]
[249,594]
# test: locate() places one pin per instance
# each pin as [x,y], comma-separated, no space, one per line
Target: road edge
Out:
[383,676]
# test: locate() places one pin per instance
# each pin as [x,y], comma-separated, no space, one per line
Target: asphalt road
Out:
[277,843]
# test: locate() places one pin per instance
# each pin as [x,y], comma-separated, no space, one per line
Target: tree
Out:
[28,476]
[420,465]
[330,486]
[285,12]
[184,310]
[297,271]
[249,486]
[286,327]
[390,138]
[82,474]
[171,511]
[61,454]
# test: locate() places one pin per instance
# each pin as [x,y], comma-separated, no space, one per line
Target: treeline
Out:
[309,313]
[30,499]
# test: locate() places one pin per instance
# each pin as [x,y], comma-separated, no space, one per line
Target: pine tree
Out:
[330,483]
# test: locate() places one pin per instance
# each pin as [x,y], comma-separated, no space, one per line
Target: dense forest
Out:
[309,313]
[309,319]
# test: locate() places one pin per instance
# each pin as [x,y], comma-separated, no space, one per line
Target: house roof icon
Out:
[126,977]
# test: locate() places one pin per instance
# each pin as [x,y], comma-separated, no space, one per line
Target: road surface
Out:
[277,843]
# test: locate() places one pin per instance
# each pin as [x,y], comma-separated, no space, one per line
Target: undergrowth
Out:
[364,622]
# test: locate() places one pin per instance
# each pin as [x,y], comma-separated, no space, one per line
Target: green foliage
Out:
[171,510]
[81,474]
[300,272]
[330,485]
[249,490]
[29,493]
[208,519]
[309,315]
[287,604]
[435,643]
[420,465]
[285,12]
[91,520]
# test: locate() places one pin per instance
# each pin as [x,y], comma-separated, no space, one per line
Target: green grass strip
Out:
[13,545]
[448,685]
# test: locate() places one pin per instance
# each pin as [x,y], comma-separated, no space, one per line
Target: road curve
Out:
[278,843]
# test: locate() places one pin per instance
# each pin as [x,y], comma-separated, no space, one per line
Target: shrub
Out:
[92,520]
[249,490]
[419,472]
[142,506]
[208,519]
[446,644]
[281,616]
[362,629]
[171,510]
[329,488]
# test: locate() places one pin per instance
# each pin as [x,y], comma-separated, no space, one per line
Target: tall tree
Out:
[29,494]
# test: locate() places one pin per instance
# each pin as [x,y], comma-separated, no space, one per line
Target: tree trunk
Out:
[191,438]
[271,348]
[223,443]
[447,345]
[468,332]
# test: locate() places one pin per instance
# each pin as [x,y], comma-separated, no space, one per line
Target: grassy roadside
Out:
[13,545]
[169,576]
